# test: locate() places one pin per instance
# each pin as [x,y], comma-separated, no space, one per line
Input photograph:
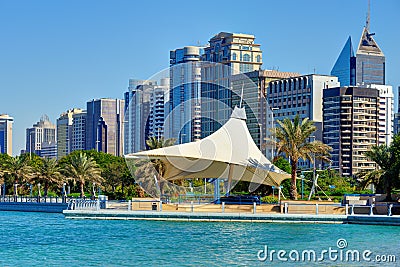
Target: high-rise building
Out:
[184,113]
[345,66]
[396,121]
[43,132]
[104,125]
[351,127]
[64,132]
[6,126]
[137,108]
[157,110]
[145,105]
[259,114]
[227,54]
[385,113]
[370,61]
[79,131]
[48,150]
[367,66]
[300,95]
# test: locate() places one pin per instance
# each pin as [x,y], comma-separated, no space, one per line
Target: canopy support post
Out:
[230,175]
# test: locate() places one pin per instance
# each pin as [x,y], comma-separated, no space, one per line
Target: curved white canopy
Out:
[229,153]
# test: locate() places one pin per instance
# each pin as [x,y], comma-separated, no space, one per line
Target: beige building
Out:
[351,127]
[227,54]
[65,131]
[6,125]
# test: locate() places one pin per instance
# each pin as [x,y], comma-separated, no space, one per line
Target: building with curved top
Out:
[183,114]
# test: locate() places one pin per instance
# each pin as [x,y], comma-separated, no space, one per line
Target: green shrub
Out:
[269,200]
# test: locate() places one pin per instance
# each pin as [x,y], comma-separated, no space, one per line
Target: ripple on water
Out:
[39,239]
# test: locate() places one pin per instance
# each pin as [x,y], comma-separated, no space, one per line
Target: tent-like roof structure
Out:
[229,153]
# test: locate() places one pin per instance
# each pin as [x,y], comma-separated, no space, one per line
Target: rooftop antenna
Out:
[368,16]
[241,96]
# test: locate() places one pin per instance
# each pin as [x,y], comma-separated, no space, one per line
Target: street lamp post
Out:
[302,185]
[63,192]
[94,191]
[15,191]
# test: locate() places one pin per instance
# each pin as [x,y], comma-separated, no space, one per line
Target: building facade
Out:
[43,132]
[396,120]
[259,114]
[345,66]
[351,127]
[145,105]
[79,131]
[385,113]
[227,54]
[48,150]
[65,132]
[6,128]
[184,111]
[104,125]
[370,61]
[300,95]
[365,67]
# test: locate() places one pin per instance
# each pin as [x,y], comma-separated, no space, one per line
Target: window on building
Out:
[234,56]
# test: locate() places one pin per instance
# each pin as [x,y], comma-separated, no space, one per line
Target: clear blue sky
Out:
[56,55]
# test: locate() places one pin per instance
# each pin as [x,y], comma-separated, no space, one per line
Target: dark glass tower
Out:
[366,67]
[345,67]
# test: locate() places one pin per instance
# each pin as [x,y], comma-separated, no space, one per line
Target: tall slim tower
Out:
[65,131]
[6,123]
[236,53]
[184,117]
[104,125]
[366,67]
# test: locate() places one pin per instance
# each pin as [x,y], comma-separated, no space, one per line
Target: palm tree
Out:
[384,177]
[48,173]
[158,165]
[18,169]
[292,139]
[154,142]
[83,169]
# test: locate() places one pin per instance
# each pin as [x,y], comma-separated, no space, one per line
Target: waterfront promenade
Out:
[247,213]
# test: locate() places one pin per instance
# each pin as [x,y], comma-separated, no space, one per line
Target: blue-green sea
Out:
[40,239]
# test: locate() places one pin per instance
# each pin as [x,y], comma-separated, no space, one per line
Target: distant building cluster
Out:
[352,107]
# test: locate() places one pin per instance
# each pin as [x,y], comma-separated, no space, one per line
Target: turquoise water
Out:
[39,239]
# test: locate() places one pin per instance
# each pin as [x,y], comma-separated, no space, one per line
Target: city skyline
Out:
[60,55]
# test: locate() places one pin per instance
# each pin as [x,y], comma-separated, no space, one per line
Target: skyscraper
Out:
[351,127]
[6,126]
[145,105]
[65,132]
[184,111]
[345,66]
[300,95]
[79,131]
[226,55]
[370,61]
[367,66]
[259,114]
[104,125]
[43,132]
